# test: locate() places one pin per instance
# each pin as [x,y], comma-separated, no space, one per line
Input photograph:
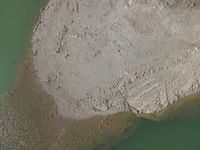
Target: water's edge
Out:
[36,110]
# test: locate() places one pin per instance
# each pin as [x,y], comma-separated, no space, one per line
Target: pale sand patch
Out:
[103,57]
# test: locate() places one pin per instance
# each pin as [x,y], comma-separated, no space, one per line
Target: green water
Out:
[16,21]
[179,131]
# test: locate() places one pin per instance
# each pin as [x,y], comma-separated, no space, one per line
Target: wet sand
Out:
[31,120]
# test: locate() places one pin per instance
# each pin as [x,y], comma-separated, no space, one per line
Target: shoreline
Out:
[32,111]
[31,119]
[40,111]
[28,47]
[36,124]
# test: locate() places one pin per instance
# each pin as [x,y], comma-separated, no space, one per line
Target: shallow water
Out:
[179,131]
[16,20]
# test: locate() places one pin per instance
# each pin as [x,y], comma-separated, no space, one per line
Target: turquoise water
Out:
[180,131]
[16,20]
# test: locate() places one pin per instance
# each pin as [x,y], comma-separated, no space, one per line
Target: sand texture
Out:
[102,57]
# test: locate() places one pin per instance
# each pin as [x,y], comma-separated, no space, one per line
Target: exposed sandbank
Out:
[104,57]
